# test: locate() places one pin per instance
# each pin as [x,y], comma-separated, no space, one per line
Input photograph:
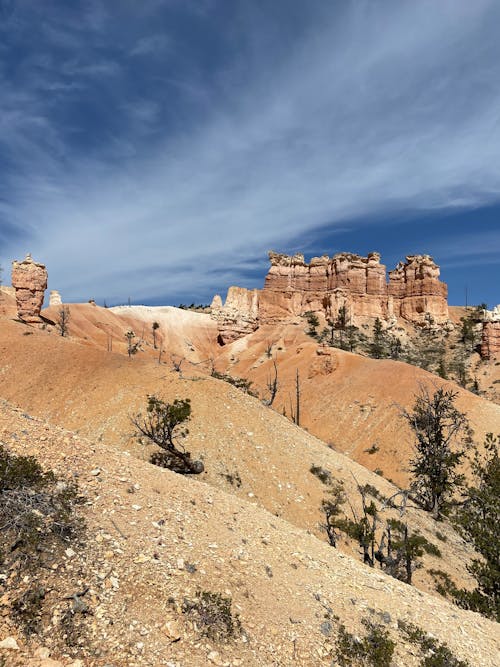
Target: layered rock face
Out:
[416,291]
[29,279]
[324,285]
[490,338]
[238,316]
[293,287]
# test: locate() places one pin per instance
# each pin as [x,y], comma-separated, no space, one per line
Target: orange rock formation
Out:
[29,279]
[324,285]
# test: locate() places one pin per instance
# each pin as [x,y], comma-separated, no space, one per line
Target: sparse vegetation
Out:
[375,649]
[434,654]
[212,616]
[163,425]
[39,520]
[321,473]
[133,346]
[239,383]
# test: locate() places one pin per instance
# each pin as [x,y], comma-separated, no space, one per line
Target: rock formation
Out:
[417,293]
[54,298]
[238,316]
[490,338]
[324,285]
[29,280]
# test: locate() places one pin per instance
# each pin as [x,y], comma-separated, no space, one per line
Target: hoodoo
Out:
[29,279]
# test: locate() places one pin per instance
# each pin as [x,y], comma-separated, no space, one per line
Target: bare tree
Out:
[272,385]
[63,317]
[177,364]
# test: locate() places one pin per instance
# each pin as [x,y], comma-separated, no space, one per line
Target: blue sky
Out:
[158,149]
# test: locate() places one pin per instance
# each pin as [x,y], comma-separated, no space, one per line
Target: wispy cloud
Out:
[366,109]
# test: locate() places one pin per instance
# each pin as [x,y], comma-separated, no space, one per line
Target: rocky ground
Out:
[156,539]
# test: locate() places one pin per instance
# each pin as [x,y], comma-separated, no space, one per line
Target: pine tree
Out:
[442,437]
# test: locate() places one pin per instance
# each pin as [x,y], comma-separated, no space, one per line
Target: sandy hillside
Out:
[182,333]
[151,550]
[248,449]
[350,401]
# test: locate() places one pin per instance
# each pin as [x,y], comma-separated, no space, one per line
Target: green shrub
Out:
[375,649]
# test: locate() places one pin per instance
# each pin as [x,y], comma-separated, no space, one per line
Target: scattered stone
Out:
[10,644]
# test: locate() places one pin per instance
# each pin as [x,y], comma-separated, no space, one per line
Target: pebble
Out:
[10,644]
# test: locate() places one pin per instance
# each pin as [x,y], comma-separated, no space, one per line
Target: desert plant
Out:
[163,425]
[434,654]
[38,520]
[442,436]
[321,473]
[374,650]
[133,346]
[211,613]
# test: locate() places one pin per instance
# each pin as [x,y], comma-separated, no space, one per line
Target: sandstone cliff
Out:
[324,285]
[29,279]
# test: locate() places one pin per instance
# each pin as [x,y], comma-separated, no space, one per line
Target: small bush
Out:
[375,649]
[239,383]
[433,653]
[211,613]
[38,519]
[322,474]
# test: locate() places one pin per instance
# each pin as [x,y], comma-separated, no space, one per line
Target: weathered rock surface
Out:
[54,298]
[238,316]
[324,285]
[417,293]
[29,279]
[490,337]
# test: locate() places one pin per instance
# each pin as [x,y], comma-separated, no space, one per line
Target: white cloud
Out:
[385,106]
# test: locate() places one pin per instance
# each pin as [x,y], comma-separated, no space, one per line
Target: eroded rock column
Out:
[29,279]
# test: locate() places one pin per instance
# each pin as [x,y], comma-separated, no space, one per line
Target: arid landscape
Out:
[234,566]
